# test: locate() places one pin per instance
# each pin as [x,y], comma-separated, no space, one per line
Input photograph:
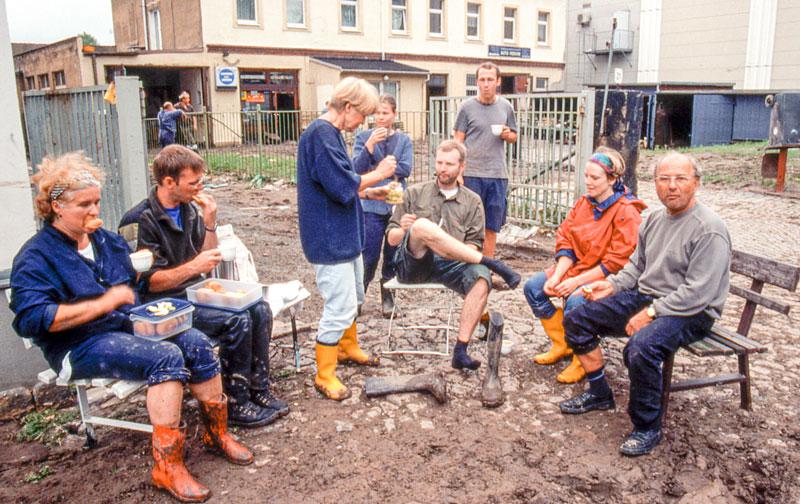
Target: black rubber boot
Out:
[387,301]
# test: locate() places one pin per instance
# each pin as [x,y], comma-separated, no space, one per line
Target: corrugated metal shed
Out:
[750,118]
[712,119]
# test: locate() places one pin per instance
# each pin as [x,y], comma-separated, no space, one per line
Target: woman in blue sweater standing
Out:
[371,147]
[332,225]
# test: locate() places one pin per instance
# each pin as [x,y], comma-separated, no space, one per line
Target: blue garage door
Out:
[712,120]
[751,118]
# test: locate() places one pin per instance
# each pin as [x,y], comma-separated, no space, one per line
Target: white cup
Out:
[228,250]
[142,260]
[497,129]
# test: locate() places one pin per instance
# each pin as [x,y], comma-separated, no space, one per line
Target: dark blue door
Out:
[712,120]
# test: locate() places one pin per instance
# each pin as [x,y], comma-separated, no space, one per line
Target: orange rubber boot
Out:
[573,373]
[554,328]
[169,473]
[326,381]
[349,351]
[216,436]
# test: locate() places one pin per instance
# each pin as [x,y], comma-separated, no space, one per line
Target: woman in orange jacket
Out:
[596,240]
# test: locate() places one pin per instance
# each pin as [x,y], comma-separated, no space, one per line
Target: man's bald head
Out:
[675,158]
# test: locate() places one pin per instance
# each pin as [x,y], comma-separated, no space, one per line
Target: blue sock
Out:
[462,360]
[509,276]
[598,384]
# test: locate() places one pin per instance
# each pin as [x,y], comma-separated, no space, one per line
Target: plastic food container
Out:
[155,326]
[225,294]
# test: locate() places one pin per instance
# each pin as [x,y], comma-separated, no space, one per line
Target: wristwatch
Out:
[651,312]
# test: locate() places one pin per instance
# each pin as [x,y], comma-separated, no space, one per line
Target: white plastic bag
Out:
[244,265]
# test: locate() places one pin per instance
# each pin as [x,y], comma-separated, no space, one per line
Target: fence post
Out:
[585,140]
[133,156]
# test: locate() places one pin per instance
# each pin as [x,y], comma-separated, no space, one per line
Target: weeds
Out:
[37,476]
[45,426]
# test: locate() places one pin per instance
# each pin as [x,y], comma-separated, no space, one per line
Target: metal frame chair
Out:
[396,287]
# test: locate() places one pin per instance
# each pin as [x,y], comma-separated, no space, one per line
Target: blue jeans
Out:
[540,302]
[375,231]
[645,351]
[166,138]
[185,357]
[243,346]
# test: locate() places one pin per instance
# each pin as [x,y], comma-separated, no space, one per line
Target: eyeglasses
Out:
[678,179]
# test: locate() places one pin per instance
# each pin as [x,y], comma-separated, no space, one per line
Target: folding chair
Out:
[447,303]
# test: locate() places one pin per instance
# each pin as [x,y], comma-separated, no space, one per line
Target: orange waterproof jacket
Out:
[592,234]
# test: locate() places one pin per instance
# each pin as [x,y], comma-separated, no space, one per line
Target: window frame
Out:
[471,89]
[407,17]
[479,19]
[156,42]
[547,23]
[30,82]
[295,26]
[44,81]
[350,29]
[63,79]
[246,22]
[442,19]
[546,83]
[514,23]
[381,90]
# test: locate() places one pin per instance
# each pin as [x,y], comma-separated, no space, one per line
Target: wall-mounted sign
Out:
[253,96]
[227,77]
[510,52]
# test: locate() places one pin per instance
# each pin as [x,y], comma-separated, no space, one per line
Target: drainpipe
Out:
[380,29]
[608,76]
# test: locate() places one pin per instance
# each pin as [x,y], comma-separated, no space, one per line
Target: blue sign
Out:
[510,52]
[227,77]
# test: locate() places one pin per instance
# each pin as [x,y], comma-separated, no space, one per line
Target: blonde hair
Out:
[59,177]
[617,161]
[357,92]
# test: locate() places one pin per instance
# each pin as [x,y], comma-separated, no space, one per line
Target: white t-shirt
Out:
[87,252]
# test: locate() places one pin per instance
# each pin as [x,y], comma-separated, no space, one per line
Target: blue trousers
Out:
[166,138]
[186,357]
[540,302]
[243,346]
[645,351]
[375,239]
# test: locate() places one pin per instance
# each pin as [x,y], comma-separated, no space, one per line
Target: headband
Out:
[603,162]
[82,176]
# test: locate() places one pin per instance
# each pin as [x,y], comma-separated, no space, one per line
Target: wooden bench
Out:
[722,341]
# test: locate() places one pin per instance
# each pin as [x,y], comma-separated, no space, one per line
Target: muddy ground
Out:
[407,448]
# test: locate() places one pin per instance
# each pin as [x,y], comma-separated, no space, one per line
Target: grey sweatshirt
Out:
[682,261]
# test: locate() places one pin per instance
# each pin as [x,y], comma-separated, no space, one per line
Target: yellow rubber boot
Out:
[326,381]
[573,373]
[349,351]
[554,328]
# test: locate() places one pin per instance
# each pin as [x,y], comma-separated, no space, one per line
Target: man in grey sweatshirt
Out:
[668,295]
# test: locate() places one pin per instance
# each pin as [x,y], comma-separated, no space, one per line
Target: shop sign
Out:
[253,96]
[510,52]
[226,77]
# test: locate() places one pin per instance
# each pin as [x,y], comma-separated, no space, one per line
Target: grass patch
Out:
[36,476]
[46,426]
[270,167]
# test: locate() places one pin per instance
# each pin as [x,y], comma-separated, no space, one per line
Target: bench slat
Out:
[734,340]
[696,383]
[760,300]
[124,388]
[708,346]
[769,271]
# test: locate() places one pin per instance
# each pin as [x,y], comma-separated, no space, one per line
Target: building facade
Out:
[288,54]
[744,44]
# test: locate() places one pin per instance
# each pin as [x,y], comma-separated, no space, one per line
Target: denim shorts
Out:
[493,193]
[455,275]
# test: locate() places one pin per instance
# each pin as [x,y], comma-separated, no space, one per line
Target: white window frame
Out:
[154,27]
[63,79]
[44,81]
[546,83]
[380,86]
[440,12]
[246,22]
[354,4]
[477,17]
[289,24]
[471,88]
[513,21]
[30,82]
[546,24]
[402,8]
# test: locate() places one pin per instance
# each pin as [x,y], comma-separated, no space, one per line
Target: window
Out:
[44,81]
[436,17]
[60,79]
[30,82]
[246,12]
[543,29]
[542,82]
[154,24]
[399,16]
[509,24]
[472,85]
[349,14]
[296,13]
[473,20]
[388,87]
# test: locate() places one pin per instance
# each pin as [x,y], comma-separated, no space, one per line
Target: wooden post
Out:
[779,181]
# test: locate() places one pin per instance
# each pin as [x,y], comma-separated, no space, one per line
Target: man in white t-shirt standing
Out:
[485,124]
